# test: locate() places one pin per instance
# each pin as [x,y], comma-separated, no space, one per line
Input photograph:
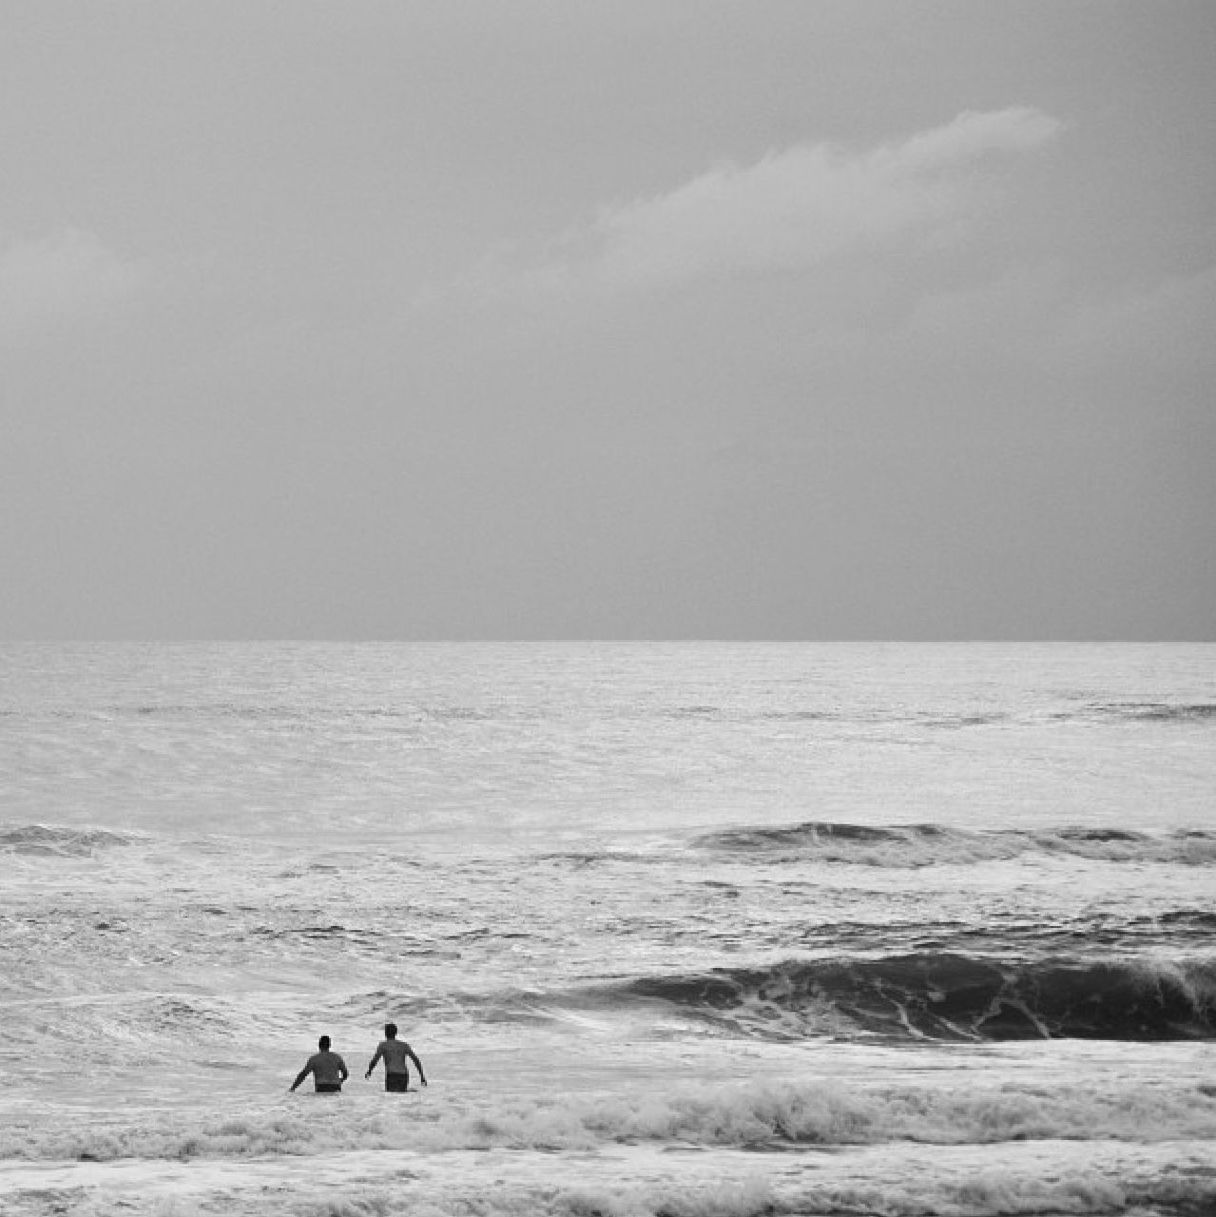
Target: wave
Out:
[280,715]
[926,995]
[947,997]
[1167,712]
[56,839]
[1187,921]
[1087,711]
[899,1189]
[758,1115]
[986,1193]
[913,845]
[1179,1191]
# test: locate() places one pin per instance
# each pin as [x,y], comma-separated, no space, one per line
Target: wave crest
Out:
[950,997]
[914,845]
[928,995]
[57,839]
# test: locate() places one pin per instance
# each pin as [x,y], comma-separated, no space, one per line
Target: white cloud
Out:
[66,276]
[794,208]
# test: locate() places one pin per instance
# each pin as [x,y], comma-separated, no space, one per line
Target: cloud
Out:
[794,208]
[64,277]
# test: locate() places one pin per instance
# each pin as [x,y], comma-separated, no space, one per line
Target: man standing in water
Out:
[328,1069]
[395,1053]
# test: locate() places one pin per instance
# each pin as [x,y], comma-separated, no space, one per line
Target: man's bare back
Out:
[396,1055]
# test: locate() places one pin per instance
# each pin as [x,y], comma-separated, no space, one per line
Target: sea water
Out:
[703,928]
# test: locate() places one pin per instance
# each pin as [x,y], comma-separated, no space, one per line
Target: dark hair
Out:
[390,1031]
[323,1043]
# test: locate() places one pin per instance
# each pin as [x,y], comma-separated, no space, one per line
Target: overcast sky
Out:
[641,319]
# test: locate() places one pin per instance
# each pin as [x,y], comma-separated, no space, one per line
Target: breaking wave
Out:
[761,1115]
[1180,1188]
[911,845]
[987,1193]
[928,995]
[948,997]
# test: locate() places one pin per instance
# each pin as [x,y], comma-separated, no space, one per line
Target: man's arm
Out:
[418,1064]
[343,1072]
[372,1063]
[302,1075]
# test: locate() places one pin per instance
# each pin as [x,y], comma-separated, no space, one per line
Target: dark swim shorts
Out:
[329,1088]
[397,1081]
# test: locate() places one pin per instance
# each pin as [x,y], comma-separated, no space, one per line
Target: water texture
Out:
[675,928]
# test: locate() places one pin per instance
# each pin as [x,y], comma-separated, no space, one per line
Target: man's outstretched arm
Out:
[301,1076]
[417,1063]
[372,1063]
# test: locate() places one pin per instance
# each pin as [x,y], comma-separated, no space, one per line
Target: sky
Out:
[848,319]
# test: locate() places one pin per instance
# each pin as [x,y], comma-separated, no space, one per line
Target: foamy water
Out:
[697,928]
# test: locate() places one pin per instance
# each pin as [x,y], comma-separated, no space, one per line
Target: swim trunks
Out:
[397,1082]
[329,1088]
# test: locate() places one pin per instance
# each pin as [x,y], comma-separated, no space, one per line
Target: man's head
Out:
[390,1031]
[323,1043]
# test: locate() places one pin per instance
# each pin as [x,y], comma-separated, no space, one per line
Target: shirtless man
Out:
[395,1054]
[328,1069]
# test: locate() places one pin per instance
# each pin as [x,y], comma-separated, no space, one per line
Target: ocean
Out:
[676,929]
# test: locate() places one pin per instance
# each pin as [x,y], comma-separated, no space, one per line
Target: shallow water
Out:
[679,928]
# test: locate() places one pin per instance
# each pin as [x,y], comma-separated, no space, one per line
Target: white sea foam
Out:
[756,1115]
[1054,1178]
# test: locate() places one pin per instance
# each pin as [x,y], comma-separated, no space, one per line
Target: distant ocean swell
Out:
[914,845]
[895,845]
[1086,710]
[56,839]
[319,714]
[755,1116]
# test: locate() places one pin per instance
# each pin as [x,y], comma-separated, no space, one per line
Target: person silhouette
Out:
[328,1069]
[396,1054]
